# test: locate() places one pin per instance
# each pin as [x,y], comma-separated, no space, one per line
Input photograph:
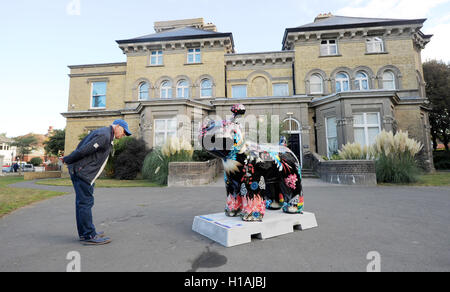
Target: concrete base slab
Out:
[232,231]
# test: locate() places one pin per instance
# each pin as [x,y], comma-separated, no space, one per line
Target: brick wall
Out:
[348,172]
[193,173]
[41,175]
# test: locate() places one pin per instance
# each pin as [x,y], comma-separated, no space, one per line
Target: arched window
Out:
[143,91]
[206,88]
[183,89]
[342,82]
[291,126]
[316,84]
[361,81]
[388,80]
[166,89]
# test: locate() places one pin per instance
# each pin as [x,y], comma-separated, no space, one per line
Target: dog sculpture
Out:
[257,176]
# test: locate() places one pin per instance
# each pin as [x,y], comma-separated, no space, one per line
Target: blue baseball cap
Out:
[124,125]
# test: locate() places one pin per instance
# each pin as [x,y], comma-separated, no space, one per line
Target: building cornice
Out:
[91,113]
[392,94]
[393,30]
[260,59]
[171,102]
[97,65]
[97,74]
[135,107]
[262,100]
[173,43]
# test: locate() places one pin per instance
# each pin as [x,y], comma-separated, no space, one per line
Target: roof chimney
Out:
[323,16]
[199,23]
[171,24]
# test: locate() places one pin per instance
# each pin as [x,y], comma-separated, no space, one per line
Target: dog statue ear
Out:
[238,110]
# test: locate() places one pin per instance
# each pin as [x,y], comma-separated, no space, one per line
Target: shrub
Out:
[129,162]
[156,164]
[118,148]
[395,157]
[36,161]
[202,155]
[441,159]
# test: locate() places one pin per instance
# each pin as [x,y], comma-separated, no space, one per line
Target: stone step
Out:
[309,176]
[309,173]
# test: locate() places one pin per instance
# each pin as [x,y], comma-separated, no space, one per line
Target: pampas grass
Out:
[156,164]
[394,156]
[354,151]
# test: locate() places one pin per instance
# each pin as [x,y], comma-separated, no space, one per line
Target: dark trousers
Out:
[84,202]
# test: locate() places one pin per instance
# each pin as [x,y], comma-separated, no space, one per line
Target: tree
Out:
[25,145]
[36,161]
[55,143]
[437,78]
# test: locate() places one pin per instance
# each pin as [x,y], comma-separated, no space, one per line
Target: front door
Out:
[294,144]
[293,128]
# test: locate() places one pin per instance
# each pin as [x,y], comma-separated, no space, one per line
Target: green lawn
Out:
[100,183]
[436,179]
[15,198]
[440,178]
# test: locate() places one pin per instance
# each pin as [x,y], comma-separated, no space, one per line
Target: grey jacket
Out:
[89,159]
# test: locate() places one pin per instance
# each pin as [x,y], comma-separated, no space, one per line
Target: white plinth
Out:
[231,231]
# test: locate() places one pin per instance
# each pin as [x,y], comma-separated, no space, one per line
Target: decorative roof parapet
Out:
[209,42]
[343,28]
[263,58]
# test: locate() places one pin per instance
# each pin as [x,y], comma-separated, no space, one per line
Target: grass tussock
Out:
[156,164]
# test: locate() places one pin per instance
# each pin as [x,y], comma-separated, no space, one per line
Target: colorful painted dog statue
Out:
[257,176]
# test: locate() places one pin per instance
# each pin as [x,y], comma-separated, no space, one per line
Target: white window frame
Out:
[359,81]
[341,82]
[184,89]
[311,83]
[206,88]
[92,95]
[374,45]
[140,91]
[326,134]
[393,80]
[194,52]
[239,85]
[164,90]
[325,49]
[285,84]
[158,57]
[366,126]
[165,131]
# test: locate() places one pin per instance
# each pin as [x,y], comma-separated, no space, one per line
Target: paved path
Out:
[151,231]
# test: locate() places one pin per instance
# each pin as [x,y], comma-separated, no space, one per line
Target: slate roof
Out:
[336,22]
[181,33]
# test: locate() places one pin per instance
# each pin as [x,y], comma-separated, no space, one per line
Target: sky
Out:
[40,38]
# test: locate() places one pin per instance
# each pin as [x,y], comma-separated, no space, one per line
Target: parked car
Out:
[7,169]
[28,168]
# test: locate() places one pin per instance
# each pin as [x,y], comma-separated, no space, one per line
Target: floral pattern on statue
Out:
[257,176]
